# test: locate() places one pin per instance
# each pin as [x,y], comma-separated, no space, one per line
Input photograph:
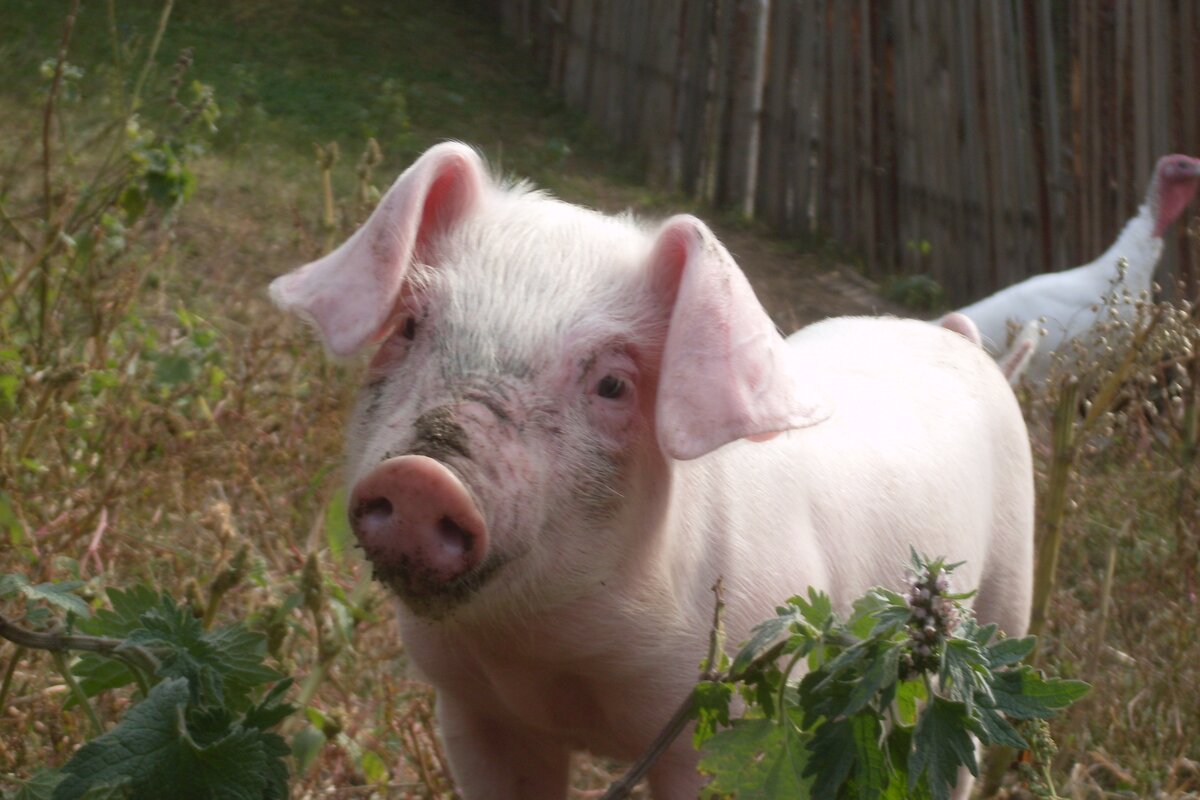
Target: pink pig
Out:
[573,425]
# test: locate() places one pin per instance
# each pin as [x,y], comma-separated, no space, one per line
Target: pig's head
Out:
[537,369]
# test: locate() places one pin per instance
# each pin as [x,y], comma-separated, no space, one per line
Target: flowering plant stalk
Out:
[886,704]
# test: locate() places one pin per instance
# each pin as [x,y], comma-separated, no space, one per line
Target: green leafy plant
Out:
[206,701]
[888,705]
[916,292]
[87,373]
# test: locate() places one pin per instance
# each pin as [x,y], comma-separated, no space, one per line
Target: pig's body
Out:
[550,465]
[813,507]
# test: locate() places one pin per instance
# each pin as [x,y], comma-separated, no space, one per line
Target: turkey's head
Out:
[1176,179]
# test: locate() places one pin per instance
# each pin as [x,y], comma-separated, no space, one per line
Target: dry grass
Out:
[141,482]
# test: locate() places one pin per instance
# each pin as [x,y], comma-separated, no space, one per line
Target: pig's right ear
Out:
[726,372]
[350,294]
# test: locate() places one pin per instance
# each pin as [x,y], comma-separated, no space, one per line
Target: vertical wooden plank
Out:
[1051,122]
[680,98]
[867,222]
[1042,228]
[807,78]
[776,136]
[560,31]
[1160,130]
[746,69]
[1187,136]
[656,110]
[883,141]
[1024,252]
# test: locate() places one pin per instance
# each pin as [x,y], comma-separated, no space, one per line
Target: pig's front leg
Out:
[492,759]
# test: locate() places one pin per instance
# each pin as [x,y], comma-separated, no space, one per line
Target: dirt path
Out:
[798,290]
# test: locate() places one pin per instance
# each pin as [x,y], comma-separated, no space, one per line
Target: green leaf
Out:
[941,745]
[832,755]
[56,594]
[817,610]
[374,767]
[8,389]
[128,605]
[766,636]
[337,525]
[306,746]
[222,666]
[882,671]
[97,674]
[12,526]
[805,617]
[1004,652]
[1025,694]
[870,763]
[890,613]
[154,748]
[117,789]
[710,707]
[271,710]
[909,696]
[39,787]
[756,759]
[963,670]
[133,202]
[995,729]
[171,369]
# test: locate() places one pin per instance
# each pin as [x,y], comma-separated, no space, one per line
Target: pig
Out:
[1012,362]
[573,424]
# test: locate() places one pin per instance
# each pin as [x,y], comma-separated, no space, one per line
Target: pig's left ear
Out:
[726,373]
[350,294]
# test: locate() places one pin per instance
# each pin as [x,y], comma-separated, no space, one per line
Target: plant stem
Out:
[1185,490]
[134,655]
[48,112]
[716,636]
[60,662]
[135,99]
[47,163]
[623,787]
[1055,505]
[1110,571]
[6,685]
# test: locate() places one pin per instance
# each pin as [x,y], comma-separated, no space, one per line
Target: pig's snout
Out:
[417,524]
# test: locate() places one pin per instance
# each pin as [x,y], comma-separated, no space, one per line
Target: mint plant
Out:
[202,725]
[888,702]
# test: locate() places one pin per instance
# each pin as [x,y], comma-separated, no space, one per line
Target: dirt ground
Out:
[798,290]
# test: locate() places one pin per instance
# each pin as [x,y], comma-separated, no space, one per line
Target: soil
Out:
[798,290]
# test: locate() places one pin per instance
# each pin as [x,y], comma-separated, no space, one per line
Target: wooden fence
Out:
[977,141]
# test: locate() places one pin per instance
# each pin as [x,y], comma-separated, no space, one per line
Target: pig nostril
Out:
[454,537]
[375,510]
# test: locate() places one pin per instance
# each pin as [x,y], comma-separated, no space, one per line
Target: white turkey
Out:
[1072,300]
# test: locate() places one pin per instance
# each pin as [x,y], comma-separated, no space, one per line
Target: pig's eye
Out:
[611,387]
[409,331]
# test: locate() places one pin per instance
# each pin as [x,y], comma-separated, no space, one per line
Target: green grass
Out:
[247,450]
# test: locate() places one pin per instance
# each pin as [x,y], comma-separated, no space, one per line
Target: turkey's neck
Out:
[1140,248]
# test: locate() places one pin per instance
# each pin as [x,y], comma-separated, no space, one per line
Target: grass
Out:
[116,469]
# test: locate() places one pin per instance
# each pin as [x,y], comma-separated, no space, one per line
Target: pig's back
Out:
[925,447]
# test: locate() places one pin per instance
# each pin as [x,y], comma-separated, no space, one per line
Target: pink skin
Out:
[963,326]
[415,520]
[1175,181]
[546,464]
